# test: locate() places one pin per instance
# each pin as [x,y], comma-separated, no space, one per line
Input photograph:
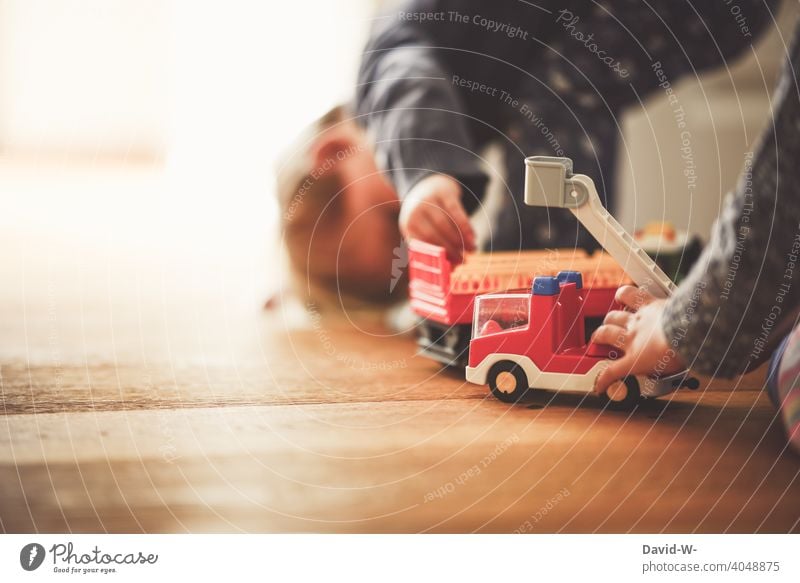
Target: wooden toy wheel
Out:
[508,381]
[623,395]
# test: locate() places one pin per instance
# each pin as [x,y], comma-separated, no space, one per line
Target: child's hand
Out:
[639,335]
[432,212]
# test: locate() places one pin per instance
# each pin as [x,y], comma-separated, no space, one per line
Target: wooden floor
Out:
[145,391]
[208,423]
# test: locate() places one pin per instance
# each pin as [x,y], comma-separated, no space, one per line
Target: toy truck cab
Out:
[539,336]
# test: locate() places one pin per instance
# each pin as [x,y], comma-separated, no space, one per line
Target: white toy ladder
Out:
[549,182]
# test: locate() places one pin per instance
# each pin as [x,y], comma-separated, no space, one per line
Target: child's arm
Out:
[417,122]
[744,289]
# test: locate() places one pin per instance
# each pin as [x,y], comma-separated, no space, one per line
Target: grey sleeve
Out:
[745,288]
[409,104]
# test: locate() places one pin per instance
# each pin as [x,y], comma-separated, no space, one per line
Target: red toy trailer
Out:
[537,338]
[443,294]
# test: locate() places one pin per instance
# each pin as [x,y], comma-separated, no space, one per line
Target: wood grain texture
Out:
[441,465]
[180,416]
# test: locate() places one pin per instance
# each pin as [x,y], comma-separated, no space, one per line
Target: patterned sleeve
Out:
[744,290]
[417,122]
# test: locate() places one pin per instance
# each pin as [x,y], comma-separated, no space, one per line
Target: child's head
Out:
[338,214]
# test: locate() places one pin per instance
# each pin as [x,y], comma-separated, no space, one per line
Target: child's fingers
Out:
[460,218]
[421,229]
[439,233]
[632,297]
[446,227]
[615,371]
[611,335]
[617,318]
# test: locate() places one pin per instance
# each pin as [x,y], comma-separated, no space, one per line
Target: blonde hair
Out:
[296,164]
[303,193]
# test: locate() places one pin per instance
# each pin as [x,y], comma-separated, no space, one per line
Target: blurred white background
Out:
[137,137]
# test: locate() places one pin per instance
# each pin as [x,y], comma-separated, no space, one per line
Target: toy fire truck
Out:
[537,338]
[443,294]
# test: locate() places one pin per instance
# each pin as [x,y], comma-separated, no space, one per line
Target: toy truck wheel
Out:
[508,382]
[623,395]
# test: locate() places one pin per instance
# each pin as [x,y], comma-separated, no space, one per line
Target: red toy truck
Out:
[537,338]
[443,294]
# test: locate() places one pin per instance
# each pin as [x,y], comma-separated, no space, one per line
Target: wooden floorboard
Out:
[166,414]
[380,456]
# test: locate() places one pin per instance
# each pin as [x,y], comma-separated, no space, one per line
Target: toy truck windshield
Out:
[499,312]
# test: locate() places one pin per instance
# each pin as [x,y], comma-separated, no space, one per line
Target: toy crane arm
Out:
[550,182]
